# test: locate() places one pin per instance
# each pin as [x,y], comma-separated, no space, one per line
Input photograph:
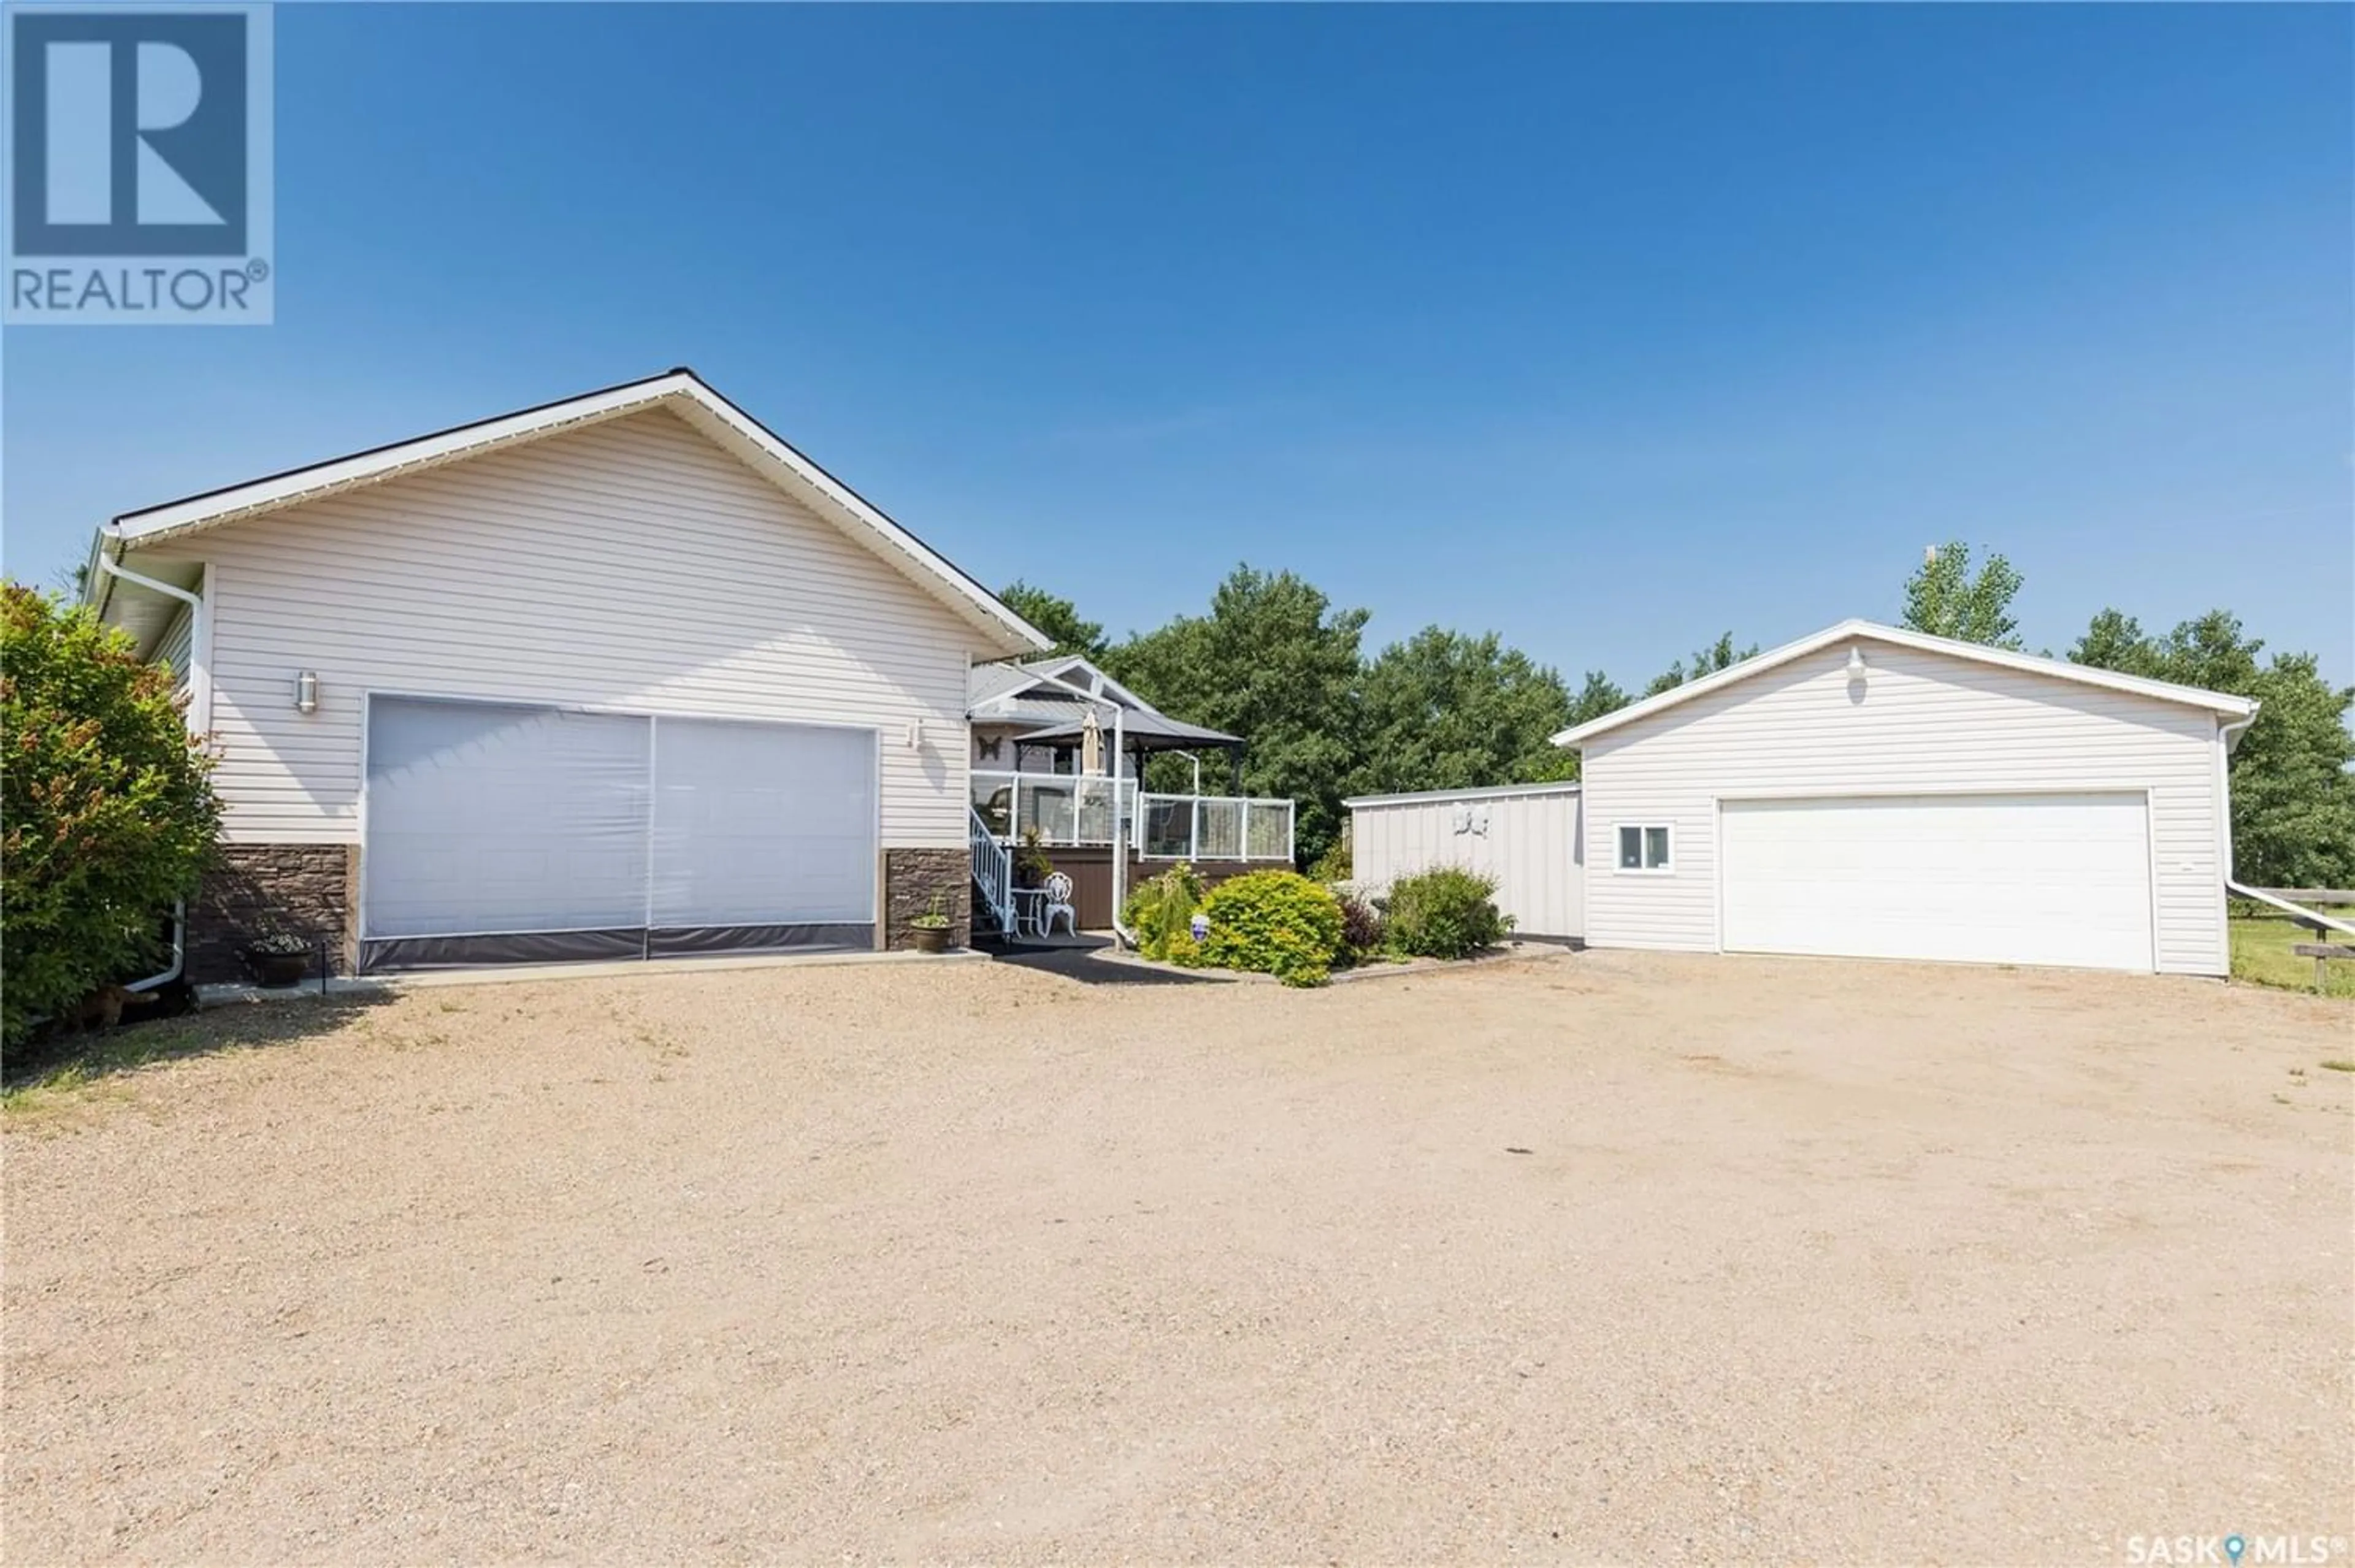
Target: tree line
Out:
[1272,659]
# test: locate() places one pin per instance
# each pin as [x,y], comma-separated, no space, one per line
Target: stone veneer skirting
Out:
[313,889]
[911,878]
[310,889]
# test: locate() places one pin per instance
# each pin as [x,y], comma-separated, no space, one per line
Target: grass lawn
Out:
[2261,952]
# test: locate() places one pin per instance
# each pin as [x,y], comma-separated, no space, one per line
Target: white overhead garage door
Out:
[505,832]
[1994,879]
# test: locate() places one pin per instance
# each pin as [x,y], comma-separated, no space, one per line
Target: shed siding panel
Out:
[1919,722]
[1531,849]
[632,564]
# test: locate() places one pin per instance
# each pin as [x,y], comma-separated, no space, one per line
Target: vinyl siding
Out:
[173,651]
[1532,850]
[1919,723]
[631,565]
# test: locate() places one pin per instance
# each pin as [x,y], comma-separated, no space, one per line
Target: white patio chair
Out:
[1058,889]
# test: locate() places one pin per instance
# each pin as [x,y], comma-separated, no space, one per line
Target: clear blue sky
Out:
[1608,329]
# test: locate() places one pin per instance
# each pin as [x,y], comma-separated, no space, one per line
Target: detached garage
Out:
[1874,793]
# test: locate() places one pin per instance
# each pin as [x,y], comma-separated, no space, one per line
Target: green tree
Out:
[2114,641]
[1718,655]
[1444,710]
[2293,796]
[1599,696]
[108,813]
[1943,599]
[1057,617]
[1274,663]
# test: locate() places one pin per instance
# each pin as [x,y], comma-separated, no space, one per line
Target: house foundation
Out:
[912,880]
[253,890]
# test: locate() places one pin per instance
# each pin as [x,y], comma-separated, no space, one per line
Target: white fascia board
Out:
[1489,792]
[1870,631]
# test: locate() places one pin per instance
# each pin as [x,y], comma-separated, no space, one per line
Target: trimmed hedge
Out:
[1448,913]
[1275,923]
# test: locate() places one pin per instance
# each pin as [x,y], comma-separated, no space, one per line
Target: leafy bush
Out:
[1275,922]
[1362,927]
[1159,912]
[1031,867]
[1336,864]
[1447,913]
[109,815]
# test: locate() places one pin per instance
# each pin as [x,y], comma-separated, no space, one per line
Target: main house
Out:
[621,675]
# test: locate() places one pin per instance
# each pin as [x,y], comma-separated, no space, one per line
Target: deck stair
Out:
[993,879]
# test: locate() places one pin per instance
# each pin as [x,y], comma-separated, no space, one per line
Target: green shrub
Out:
[1363,931]
[1333,865]
[1159,911]
[1031,867]
[107,814]
[1275,922]
[1447,913]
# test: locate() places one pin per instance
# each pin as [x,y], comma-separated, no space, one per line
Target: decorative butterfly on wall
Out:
[988,746]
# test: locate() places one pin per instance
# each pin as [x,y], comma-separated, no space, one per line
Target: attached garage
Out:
[1869,791]
[503,832]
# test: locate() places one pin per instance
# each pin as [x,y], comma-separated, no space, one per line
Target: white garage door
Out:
[2019,878]
[512,832]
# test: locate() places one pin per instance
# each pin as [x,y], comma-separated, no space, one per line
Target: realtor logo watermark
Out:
[138,165]
[2239,1549]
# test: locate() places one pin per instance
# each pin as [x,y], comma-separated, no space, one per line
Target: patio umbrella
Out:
[1091,745]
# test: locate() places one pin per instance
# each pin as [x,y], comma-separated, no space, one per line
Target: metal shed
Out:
[1527,838]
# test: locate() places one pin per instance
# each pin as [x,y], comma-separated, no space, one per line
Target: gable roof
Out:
[1012,691]
[681,392]
[1872,632]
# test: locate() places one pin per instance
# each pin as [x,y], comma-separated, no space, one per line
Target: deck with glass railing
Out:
[1069,811]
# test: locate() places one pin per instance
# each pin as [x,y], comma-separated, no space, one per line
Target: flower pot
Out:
[929,938]
[276,971]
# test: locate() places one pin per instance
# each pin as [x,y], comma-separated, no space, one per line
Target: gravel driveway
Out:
[1604,1256]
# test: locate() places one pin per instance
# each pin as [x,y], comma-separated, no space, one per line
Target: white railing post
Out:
[1243,847]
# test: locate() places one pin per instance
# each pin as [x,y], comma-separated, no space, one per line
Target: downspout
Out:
[110,567]
[2227,735]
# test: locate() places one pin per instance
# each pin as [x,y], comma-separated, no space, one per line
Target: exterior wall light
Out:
[1855,666]
[306,692]
[915,734]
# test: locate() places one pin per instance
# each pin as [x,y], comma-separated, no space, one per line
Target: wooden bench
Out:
[2322,953]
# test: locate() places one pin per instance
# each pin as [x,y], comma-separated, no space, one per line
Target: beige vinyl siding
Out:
[1919,723]
[631,565]
[173,651]
[1531,849]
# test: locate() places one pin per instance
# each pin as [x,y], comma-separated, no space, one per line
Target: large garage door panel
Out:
[483,817]
[2021,878]
[763,824]
[498,832]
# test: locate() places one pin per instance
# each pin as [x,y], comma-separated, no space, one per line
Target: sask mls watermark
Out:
[138,165]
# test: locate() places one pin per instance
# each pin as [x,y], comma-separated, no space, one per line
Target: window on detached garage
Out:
[1644,847]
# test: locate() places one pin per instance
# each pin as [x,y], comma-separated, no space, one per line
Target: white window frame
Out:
[1643,831]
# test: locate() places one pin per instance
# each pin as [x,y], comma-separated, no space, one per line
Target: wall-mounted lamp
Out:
[915,734]
[306,692]
[1855,666]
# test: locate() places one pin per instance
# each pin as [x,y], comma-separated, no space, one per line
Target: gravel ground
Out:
[1607,1256]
